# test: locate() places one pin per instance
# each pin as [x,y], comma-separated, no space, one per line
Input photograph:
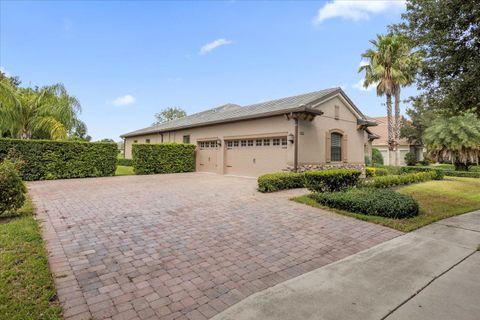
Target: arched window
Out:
[336,147]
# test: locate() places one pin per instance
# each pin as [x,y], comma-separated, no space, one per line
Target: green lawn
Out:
[26,284]
[124,171]
[437,199]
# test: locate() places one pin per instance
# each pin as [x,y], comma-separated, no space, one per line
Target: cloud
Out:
[359,85]
[2,69]
[124,100]
[355,10]
[213,45]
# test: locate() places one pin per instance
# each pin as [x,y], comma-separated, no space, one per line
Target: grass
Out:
[26,284]
[124,171]
[437,200]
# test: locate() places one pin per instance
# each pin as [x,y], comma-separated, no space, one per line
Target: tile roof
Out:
[382,131]
[232,112]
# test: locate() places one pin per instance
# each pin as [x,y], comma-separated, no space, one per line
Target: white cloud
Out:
[2,69]
[124,100]
[359,85]
[213,45]
[355,10]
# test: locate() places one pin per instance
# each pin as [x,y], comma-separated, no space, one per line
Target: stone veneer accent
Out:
[318,167]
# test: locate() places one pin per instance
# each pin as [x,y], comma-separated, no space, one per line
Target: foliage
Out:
[124,162]
[411,158]
[169,114]
[456,139]
[373,172]
[467,174]
[331,180]
[437,172]
[370,201]
[12,189]
[40,113]
[163,158]
[368,160]
[47,159]
[79,131]
[377,157]
[397,180]
[27,290]
[448,33]
[280,181]
[421,117]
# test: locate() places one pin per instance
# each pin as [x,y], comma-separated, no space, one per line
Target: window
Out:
[186,139]
[243,143]
[276,142]
[147,140]
[336,147]
[258,142]
[284,141]
[266,142]
[229,144]
[235,143]
[250,143]
[135,141]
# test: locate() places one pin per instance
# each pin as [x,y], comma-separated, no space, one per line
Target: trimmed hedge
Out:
[49,159]
[373,172]
[370,201]
[331,180]
[438,173]
[12,188]
[163,158]
[124,162]
[272,182]
[465,174]
[397,180]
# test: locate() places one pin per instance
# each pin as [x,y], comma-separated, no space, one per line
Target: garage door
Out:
[254,157]
[207,154]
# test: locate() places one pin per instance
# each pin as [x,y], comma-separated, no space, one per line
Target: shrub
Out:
[475,168]
[396,180]
[465,174]
[368,161]
[373,172]
[331,180]
[280,181]
[410,158]
[377,157]
[438,173]
[124,162]
[48,159]
[12,189]
[371,201]
[163,158]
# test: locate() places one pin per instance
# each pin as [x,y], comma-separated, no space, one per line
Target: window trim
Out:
[341,136]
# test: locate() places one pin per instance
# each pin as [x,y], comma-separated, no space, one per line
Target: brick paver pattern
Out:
[183,246]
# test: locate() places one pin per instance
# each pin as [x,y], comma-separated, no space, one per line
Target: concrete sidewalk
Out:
[431,273]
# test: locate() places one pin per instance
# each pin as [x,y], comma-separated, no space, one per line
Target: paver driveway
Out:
[182,246]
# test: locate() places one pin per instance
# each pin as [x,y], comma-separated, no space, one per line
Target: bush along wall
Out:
[397,180]
[272,182]
[331,180]
[48,159]
[163,158]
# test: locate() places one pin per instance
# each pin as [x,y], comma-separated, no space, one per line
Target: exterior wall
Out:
[404,149]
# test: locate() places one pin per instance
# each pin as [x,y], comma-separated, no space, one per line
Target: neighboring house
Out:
[382,143]
[315,130]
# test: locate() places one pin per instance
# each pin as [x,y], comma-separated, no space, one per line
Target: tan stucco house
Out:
[319,130]
[381,143]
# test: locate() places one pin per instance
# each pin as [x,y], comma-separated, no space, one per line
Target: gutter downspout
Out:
[295,154]
[124,144]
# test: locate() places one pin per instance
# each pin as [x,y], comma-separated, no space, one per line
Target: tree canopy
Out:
[169,114]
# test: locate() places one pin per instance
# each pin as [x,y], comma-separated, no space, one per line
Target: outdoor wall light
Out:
[291,138]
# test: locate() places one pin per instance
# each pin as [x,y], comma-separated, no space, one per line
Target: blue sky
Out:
[127,60]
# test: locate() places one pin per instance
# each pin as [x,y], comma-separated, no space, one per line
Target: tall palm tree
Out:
[48,112]
[390,66]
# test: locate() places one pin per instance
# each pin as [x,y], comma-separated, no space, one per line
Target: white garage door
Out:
[254,157]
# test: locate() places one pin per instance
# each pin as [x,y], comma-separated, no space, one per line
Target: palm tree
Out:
[390,66]
[48,112]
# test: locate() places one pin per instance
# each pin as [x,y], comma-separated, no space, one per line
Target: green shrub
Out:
[474,168]
[280,181]
[331,180]
[391,169]
[48,159]
[163,158]
[410,158]
[371,201]
[397,180]
[124,162]
[373,172]
[438,173]
[377,157]
[12,189]
[368,161]
[465,174]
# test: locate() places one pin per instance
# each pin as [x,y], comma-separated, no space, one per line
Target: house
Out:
[316,130]
[381,130]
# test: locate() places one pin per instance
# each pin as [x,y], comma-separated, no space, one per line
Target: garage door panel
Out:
[207,156]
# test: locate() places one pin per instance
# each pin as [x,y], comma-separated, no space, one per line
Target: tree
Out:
[377,157]
[169,114]
[391,65]
[48,112]
[456,139]
[421,117]
[448,32]
[79,131]
[107,140]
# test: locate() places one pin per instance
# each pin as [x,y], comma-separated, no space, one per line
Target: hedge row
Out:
[280,181]
[331,180]
[397,180]
[163,158]
[48,159]
[373,172]
[465,174]
[438,173]
[124,162]
[370,201]
[12,188]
